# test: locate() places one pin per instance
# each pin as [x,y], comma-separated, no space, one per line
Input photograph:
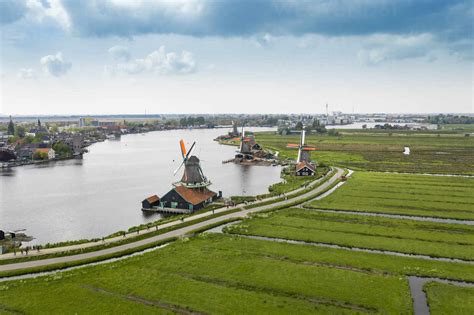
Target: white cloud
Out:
[53,9]
[265,39]
[383,47]
[158,62]
[55,65]
[26,73]
[120,53]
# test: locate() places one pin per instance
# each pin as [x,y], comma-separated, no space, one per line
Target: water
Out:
[102,193]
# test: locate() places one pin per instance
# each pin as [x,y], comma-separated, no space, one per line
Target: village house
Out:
[49,151]
[305,169]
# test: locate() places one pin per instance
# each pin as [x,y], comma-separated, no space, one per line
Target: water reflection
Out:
[101,193]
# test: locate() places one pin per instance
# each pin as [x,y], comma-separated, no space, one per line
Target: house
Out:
[305,169]
[191,199]
[150,202]
[49,151]
[26,151]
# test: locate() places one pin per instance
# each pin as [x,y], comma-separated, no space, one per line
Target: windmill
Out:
[235,132]
[304,151]
[193,177]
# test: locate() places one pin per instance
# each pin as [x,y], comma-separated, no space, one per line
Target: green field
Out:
[212,274]
[447,152]
[449,299]
[406,236]
[419,195]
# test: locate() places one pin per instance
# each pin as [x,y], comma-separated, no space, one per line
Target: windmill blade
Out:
[183,148]
[292,146]
[190,150]
[299,156]
[303,133]
[179,167]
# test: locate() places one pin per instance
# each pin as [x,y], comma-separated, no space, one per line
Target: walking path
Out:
[153,239]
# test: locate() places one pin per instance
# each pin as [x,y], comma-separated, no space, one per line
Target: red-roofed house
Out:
[305,169]
[49,151]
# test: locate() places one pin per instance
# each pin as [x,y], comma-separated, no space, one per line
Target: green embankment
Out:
[419,195]
[406,236]
[443,152]
[449,299]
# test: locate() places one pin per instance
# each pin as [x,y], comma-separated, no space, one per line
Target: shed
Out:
[150,202]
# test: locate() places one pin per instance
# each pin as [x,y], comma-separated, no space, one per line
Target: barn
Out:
[305,169]
[192,199]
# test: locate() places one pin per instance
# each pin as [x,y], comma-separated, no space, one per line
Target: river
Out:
[102,193]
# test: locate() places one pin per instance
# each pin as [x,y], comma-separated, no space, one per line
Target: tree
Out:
[61,149]
[20,131]
[40,155]
[308,130]
[11,127]
[299,126]
[200,120]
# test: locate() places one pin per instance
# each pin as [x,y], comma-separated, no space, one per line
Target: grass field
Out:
[440,152]
[406,236]
[449,299]
[420,195]
[212,274]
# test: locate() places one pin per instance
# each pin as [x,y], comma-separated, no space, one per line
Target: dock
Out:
[167,210]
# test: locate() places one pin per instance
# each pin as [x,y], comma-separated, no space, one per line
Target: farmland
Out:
[441,152]
[449,299]
[405,236]
[434,196]
[269,277]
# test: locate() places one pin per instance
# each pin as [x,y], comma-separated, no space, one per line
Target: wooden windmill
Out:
[193,177]
[303,161]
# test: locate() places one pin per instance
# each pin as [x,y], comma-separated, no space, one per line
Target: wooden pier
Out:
[167,210]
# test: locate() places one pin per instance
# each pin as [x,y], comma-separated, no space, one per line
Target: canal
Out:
[102,193]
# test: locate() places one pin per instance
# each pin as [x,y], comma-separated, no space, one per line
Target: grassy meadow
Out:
[440,152]
[406,236]
[213,274]
[419,195]
[449,299]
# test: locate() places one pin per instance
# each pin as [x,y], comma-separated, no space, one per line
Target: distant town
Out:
[27,140]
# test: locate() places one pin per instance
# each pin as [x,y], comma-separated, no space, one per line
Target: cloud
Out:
[119,53]
[39,10]
[264,40]
[279,17]
[27,73]
[157,62]
[55,65]
[382,48]
[11,10]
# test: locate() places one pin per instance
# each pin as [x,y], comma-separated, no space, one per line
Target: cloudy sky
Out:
[251,56]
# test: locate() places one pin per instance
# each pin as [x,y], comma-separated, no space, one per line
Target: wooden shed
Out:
[150,202]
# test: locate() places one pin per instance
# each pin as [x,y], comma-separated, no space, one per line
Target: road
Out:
[175,233]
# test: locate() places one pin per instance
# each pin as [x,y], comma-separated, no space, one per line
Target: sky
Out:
[245,56]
